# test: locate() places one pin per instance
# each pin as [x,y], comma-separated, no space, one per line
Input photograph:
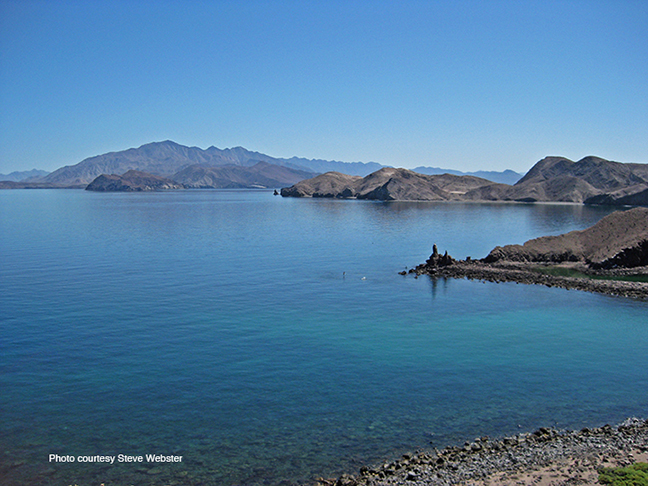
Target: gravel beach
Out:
[546,457]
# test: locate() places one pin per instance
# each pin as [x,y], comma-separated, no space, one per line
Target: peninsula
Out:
[591,180]
[610,257]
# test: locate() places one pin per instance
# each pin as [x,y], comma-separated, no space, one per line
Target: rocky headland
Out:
[546,457]
[610,257]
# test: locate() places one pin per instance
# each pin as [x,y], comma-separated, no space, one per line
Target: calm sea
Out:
[270,341]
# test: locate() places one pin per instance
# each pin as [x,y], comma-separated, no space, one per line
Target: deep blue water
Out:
[267,339]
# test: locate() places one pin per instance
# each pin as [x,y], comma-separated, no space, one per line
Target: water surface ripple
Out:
[268,339]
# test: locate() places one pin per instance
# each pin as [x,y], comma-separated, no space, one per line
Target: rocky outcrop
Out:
[631,196]
[131,181]
[437,260]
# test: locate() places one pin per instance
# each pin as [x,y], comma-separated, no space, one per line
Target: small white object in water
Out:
[363,278]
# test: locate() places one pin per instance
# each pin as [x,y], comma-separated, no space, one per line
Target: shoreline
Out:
[532,274]
[546,457]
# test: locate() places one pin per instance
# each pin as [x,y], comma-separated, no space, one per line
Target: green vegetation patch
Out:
[635,475]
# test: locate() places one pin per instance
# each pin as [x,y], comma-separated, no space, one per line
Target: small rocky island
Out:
[611,257]
[131,181]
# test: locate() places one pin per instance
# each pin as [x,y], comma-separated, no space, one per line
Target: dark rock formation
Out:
[436,260]
[635,256]
[131,181]
[632,196]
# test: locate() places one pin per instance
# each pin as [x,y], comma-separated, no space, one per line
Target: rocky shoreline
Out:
[544,457]
[536,274]
[610,257]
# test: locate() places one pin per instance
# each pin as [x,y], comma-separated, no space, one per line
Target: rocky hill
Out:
[388,184]
[591,180]
[131,181]
[618,240]
[262,174]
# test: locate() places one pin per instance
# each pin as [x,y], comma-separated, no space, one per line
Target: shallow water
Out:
[267,339]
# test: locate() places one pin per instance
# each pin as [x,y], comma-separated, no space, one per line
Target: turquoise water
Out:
[271,340]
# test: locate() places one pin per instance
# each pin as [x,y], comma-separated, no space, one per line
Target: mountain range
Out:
[506,177]
[25,175]
[591,180]
[169,158]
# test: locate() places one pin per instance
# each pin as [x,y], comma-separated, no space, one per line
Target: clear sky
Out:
[456,84]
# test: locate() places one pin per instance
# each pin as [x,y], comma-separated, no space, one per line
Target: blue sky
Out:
[457,84]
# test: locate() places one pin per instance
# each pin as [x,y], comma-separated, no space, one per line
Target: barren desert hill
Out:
[591,180]
[619,239]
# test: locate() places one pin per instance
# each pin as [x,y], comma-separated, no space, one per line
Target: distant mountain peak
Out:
[165,158]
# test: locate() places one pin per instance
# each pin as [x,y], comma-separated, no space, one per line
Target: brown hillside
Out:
[620,238]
